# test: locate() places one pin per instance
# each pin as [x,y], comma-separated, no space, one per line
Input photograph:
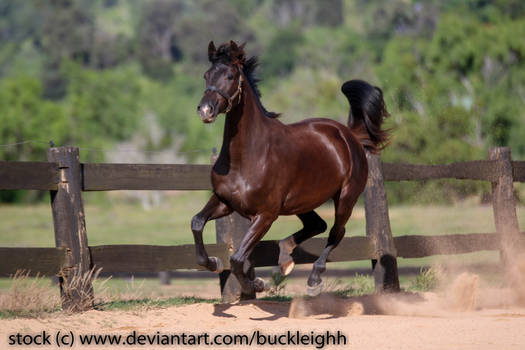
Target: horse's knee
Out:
[236,263]
[197,223]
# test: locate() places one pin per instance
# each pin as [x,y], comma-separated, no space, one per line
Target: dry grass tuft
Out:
[79,288]
[29,296]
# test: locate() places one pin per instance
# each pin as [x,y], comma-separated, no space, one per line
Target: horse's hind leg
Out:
[313,225]
[344,203]
[214,209]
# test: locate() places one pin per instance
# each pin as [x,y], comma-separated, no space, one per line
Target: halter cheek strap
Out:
[228,98]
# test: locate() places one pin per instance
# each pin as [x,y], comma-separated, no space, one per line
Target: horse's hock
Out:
[74,260]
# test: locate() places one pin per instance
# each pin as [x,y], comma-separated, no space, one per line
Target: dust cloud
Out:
[458,291]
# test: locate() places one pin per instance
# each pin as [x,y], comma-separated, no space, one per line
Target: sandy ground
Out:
[459,315]
[406,321]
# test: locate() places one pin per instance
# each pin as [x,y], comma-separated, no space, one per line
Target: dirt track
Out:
[417,325]
[460,315]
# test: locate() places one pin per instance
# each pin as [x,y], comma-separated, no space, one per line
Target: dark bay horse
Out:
[266,168]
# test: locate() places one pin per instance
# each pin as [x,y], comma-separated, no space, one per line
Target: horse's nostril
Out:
[211,108]
[198,107]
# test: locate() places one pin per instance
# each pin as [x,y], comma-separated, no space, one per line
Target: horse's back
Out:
[325,157]
[333,135]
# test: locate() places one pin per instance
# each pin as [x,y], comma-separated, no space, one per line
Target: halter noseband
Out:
[228,98]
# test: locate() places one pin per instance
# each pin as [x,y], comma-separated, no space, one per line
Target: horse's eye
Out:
[230,77]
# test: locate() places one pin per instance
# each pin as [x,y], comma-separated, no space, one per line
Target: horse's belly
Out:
[309,198]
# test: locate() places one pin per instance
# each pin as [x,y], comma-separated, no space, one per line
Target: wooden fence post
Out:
[378,228]
[70,230]
[503,205]
[165,278]
[231,230]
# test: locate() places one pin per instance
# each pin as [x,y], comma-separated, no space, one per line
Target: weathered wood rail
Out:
[65,177]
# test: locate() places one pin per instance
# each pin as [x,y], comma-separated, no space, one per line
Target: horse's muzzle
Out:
[207,112]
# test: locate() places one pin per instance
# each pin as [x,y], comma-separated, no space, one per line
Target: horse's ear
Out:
[236,52]
[211,50]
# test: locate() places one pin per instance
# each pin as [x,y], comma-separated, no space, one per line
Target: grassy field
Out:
[115,220]
[120,221]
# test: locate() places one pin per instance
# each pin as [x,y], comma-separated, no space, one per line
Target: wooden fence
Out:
[65,177]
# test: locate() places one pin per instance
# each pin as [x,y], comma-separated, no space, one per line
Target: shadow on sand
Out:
[327,304]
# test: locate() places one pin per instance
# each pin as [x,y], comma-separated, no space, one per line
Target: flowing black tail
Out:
[367,113]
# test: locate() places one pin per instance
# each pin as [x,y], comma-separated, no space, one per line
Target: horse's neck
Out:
[245,129]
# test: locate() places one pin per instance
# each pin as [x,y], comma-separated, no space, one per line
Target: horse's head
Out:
[223,80]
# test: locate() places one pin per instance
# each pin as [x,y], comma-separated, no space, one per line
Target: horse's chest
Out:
[235,190]
[227,187]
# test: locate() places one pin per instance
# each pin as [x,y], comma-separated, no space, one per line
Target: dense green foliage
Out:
[96,72]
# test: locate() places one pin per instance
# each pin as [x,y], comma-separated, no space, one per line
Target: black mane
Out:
[248,68]
[222,55]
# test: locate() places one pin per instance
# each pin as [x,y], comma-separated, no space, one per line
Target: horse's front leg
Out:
[259,226]
[214,209]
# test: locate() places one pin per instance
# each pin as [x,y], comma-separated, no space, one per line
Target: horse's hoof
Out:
[219,267]
[260,285]
[287,267]
[314,291]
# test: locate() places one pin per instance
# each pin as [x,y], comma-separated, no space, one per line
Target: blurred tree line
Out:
[87,72]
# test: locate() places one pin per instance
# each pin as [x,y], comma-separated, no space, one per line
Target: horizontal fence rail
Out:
[107,177]
[151,258]
[34,261]
[518,171]
[154,258]
[487,170]
[415,246]
[28,175]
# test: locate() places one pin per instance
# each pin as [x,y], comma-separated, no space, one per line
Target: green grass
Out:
[357,285]
[427,279]
[151,303]
[282,298]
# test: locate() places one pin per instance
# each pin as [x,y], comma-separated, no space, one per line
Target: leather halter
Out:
[228,98]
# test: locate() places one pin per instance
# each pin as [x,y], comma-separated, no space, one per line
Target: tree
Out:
[28,120]
[19,23]
[157,39]
[280,57]
[209,20]
[308,12]
[102,107]
[67,32]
